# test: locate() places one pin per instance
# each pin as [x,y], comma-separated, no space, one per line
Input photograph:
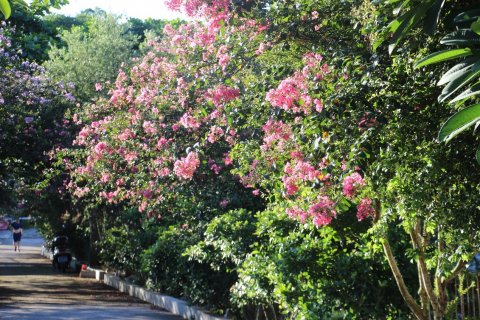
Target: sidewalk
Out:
[31,289]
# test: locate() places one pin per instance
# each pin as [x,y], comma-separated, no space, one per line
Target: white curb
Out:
[174,305]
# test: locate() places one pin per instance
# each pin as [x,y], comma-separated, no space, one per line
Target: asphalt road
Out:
[30,289]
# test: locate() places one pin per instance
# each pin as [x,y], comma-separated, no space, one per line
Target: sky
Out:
[131,8]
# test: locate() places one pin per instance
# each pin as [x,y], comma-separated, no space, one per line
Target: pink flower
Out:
[149,128]
[276,133]
[189,121]
[215,168]
[297,213]
[105,178]
[126,135]
[215,133]
[227,160]
[101,148]
[147,194]
[162,143]
[288,94]
[186,167]
[224,203]
[130,156]
[323,211]
[98,86]
[351,183]
[365,209]
[222,94]
[318,105]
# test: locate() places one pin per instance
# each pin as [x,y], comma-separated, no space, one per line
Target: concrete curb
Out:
[174,305]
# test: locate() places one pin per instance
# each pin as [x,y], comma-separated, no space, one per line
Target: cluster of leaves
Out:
[464,44]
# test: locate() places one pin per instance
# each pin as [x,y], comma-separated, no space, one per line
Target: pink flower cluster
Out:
[365,209]
[186,167]
[291,94]
[189,121]
[149,127]
[351,184]
[276,131]
[214,134]
[299,172]
[222,94]
[297,213]
[322,212]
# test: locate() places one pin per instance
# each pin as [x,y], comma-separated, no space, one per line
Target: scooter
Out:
[61,255]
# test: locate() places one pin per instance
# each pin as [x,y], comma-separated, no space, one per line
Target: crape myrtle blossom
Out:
[313,186]
[186,167]
[365,209]
[351,184]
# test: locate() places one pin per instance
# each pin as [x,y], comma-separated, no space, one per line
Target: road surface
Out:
[31,290]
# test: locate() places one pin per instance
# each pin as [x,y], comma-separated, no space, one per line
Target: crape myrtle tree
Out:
[89,55]
[339,137]
[32,121]
[163,142]
[349,133]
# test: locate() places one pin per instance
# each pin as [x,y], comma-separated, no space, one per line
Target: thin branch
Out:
[423,271]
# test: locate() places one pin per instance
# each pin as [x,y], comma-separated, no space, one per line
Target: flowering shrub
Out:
[231,114]
[32,118]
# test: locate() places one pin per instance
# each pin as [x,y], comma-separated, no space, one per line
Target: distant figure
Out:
[17,234]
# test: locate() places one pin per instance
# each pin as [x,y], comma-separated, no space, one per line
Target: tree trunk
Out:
[419,313]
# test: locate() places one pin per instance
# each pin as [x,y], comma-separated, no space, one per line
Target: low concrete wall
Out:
[174,305]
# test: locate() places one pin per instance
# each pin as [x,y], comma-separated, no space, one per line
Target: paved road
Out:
[31,290]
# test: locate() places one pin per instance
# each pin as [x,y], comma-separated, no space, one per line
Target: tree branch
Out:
[412,304]
[423,271]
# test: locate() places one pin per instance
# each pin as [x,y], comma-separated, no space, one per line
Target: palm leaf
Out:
[458,70]
[464,37]
[460,82]
[5,8]
[443,56]
[459,122]
[467,16]
[432,17]
[470,92]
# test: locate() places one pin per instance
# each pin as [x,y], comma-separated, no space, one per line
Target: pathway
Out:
[30,289]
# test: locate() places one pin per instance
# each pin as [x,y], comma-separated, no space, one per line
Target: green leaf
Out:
[477,155]
[458,83]
[467,16]
[459,122]
[432,17]
[392,27]
[410,20]
[5,8]
[443,56]
[458,70]
[463,37]
[470,92]
[476,26]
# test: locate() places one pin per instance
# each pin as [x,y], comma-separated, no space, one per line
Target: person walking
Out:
[17,234]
